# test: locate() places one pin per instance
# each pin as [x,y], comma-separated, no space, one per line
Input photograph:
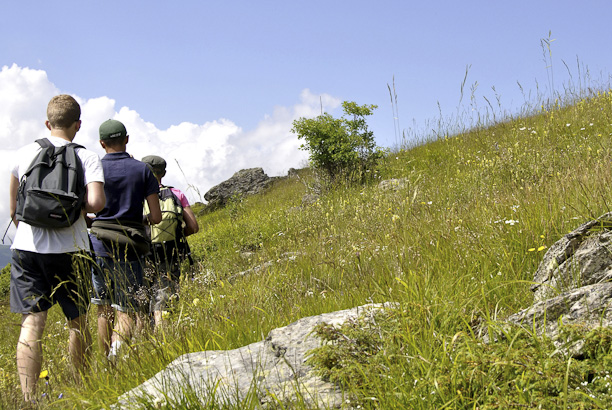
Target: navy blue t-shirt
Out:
[127,183]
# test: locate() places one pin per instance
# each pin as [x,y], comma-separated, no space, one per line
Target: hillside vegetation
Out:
[455,247]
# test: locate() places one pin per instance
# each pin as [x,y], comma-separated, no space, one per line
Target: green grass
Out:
[455,247]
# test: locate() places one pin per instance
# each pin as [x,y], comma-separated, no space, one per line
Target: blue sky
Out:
[215,85]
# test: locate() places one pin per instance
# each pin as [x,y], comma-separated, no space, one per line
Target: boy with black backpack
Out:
[48,257]
[169,247]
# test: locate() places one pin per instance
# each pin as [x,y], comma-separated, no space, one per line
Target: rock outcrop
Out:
[245,182]
[269,371]
[572,283]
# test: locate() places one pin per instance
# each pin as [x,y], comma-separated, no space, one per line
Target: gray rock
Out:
[572,283]
[393,184]
[587,305]
[582,257]
[309,199]
[245,182]
[268,371]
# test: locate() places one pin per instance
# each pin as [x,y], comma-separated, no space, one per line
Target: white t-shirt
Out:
[44,240]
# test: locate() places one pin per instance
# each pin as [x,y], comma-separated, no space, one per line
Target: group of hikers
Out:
[128,233]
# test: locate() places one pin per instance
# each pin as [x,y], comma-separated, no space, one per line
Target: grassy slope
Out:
[456,246]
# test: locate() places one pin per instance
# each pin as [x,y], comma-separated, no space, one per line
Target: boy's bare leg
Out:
[125,326]
[29,352]
[79,342]
[106,316]
[158,315]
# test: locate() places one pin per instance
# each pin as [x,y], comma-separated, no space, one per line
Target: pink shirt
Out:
[181,196]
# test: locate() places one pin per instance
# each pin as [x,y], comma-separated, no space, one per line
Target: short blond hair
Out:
[63,111]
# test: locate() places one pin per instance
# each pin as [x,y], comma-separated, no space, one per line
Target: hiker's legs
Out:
[165,289]
[125,326]
[106,317]
[29,352]
[128,295]
[79,342]
[103,288]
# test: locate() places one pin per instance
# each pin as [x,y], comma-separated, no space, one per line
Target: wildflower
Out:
[395,217]
[165,314]
[44,374]
[541,248]
[61,395]
[531,249]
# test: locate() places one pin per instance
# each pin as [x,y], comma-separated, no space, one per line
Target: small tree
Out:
[340,146]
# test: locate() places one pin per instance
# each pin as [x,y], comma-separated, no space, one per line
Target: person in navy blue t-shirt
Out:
[118,275]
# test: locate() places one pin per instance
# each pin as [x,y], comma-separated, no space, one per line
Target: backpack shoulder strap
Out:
[165,192]
[44,142]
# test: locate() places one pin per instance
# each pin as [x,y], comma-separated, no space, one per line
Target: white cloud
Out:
[199,156]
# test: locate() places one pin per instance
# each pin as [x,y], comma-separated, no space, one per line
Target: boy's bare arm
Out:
[95,198]
[13,187]
[155,215]
[191,223]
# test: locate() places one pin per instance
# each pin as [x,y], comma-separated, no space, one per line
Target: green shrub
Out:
[341,146]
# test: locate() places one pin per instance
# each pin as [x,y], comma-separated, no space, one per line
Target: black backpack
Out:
[52,190]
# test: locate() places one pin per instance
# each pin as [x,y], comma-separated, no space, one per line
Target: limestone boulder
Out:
[572,284]
[245,182]
[268,371]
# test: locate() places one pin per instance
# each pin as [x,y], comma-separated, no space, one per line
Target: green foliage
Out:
[341,146]
[518,369]
[358,351]
[5,280]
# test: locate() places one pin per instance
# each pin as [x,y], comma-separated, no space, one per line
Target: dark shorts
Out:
[39,280]
[119,284]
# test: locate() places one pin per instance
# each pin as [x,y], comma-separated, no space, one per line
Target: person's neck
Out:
[64,134]
[111,150]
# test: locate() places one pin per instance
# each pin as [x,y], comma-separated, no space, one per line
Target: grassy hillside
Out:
[455,246]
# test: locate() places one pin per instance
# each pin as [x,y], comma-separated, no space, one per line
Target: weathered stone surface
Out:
[393,184]
[572,283]
[286,257]
[245,182]
[587,305]
[582,257]
[270,370]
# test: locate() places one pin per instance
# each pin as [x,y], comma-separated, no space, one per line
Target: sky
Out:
[214,87]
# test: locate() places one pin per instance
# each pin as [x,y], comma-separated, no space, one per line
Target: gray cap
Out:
[155,162]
